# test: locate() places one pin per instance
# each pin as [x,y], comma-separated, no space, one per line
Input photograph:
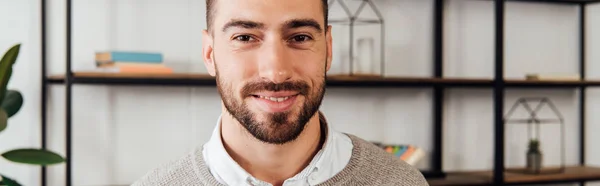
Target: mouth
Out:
[275,99]
[274,102]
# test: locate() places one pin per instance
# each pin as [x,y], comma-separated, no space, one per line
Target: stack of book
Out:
[409,153]
[131,62]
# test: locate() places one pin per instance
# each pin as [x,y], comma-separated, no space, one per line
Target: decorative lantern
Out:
[534,154]
[364,57]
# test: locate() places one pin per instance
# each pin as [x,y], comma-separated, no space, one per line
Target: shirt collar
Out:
[231,173]
[223,165]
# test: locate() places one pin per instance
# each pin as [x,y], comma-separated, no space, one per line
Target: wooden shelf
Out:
[548,83]
[106,75]
[207,80]
[332,80]
[542,83]
[183,79]
[570,174]
[365,80]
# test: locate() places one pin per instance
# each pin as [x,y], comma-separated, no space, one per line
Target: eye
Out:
[243,38]
[301,38]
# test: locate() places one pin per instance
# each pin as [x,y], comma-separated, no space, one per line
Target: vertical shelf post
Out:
[499,94]
[582,89]
[44,85]
[68,84]
[438,91]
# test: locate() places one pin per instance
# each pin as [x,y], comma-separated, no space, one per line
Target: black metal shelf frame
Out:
[499,85]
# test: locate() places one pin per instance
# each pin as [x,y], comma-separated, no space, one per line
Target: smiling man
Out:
[270,59]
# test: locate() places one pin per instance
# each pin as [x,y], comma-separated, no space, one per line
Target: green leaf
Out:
[13,100]
[6,63]
[8,182]
[3,119]
[33,156]
[4,86]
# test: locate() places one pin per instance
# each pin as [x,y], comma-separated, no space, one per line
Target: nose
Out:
[274,64]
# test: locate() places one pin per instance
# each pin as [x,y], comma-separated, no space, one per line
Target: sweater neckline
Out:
[353,164]
[204,175]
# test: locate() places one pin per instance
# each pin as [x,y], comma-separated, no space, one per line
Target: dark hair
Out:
[210,12]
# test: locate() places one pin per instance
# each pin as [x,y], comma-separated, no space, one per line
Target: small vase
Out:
[534,162]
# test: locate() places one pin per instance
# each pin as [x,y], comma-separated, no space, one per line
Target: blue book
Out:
[125,56]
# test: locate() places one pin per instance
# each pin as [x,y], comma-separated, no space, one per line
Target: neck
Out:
[270,162]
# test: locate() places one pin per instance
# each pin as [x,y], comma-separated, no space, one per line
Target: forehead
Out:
[269,12]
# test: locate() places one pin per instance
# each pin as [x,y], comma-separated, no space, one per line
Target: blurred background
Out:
[406,72]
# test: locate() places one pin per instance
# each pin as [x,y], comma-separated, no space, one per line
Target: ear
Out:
[207,52]
[329,47]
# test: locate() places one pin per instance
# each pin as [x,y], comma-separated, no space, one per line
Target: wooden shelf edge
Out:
[509,81]
[342,80]
[570,174]
[404,78]
[142,75]
[330,78]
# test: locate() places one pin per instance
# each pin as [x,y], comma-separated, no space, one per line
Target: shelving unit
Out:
[437,83]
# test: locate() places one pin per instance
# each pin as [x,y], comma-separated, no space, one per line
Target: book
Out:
[127,64]
[417,155]
[129,69]
[409,153]
[136,57]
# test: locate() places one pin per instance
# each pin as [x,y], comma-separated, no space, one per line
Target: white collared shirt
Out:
[328,161]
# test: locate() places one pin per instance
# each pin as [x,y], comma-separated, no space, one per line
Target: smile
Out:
[274,102]
[276,99]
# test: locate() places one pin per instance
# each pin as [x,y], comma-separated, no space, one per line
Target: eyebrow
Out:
[244,24]
[298,23]
[290,24]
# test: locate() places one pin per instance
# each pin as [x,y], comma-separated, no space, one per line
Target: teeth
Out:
[276,99]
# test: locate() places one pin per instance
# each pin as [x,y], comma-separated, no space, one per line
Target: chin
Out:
[269,123]
[277,127]
[277,118]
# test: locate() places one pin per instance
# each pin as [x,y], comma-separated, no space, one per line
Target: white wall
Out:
[593,94]
[120,132]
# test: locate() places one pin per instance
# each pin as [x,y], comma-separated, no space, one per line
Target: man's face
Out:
[270,58]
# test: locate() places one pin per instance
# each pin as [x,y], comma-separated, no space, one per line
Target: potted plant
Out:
[534,156]
[10,103]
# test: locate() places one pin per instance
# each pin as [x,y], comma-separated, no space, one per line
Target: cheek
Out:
[234,67]
[310,67]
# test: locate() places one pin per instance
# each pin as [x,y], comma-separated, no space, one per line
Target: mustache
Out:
[252,87]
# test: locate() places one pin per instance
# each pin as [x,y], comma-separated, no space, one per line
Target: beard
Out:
[277,128]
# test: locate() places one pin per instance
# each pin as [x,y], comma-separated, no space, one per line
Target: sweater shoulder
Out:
[176,172]
[377,167]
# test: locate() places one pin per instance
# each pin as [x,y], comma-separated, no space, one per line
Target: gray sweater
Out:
[369,165]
